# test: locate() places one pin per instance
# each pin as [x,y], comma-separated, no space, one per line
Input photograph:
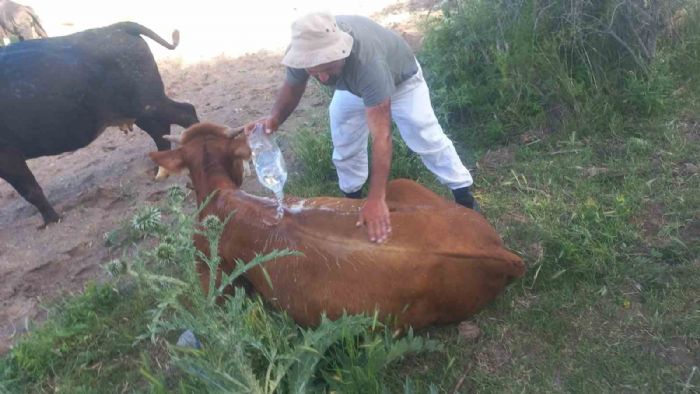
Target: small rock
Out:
[469,330]
[187,339]
[593,171]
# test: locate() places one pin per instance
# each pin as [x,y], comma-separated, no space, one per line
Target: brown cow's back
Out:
[442,263]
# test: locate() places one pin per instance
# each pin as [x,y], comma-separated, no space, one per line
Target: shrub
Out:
[245,347]
[512,66]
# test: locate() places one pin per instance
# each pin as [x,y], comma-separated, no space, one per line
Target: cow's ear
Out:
[171,160]
[241,149]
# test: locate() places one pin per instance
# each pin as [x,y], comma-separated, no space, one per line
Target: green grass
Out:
[86,343]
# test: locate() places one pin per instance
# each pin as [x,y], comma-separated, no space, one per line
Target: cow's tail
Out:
[38,28]
[136,29]
[500,261]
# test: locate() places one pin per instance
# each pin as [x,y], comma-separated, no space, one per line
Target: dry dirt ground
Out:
[98,187]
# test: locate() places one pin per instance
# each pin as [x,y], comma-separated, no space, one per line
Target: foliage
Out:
[317,176]
[244,346]
[683,53]
[503,68]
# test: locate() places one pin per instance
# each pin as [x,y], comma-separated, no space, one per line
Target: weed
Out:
[245,346]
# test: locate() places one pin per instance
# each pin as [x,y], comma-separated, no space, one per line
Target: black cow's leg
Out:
[157,121]
[156,129]
[13,168]
[158,117]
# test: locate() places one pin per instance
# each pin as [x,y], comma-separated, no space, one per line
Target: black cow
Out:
[20,21]
[58,94]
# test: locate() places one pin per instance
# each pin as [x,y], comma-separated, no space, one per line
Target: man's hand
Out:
[375,215]
[269,123]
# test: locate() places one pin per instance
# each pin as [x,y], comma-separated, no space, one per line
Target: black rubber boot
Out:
[356,194]
[463,196]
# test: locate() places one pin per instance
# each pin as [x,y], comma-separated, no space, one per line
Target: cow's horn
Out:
[172,138]
[246,168]
[230,133]
[162,173]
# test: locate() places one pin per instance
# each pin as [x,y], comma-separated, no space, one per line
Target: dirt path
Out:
[96,188]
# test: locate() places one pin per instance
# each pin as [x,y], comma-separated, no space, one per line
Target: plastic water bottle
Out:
[268,162]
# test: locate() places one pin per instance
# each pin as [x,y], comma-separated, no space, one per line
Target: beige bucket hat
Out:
[316,39]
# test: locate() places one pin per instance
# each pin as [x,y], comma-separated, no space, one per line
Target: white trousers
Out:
[413,113]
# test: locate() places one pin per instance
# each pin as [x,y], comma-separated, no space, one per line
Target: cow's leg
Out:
[24,32]
[157,129]
[157,119]
[23,25]
[14,169]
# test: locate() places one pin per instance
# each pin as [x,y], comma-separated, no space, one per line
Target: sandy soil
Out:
[96,188]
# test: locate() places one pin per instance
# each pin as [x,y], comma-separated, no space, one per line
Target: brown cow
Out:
[441,265]
[20,21]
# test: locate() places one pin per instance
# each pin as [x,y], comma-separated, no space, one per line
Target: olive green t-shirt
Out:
[378,62]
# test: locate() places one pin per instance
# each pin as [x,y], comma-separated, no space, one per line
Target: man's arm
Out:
[287,100]
[375,213]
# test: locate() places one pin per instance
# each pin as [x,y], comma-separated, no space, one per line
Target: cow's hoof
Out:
[48,223]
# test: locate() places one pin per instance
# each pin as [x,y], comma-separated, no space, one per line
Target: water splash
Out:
[280,204]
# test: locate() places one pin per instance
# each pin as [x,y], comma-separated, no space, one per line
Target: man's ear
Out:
[171,160]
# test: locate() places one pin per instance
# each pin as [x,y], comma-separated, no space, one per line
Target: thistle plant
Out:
[245,346]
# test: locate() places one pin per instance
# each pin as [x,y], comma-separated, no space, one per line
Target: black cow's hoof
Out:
[46,225]
[49,221]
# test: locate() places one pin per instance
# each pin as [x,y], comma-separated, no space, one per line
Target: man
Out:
[376,78]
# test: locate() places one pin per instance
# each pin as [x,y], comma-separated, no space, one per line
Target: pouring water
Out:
[275,183]
[269,164]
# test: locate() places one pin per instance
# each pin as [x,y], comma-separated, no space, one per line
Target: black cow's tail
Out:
[136,29]
[38,28]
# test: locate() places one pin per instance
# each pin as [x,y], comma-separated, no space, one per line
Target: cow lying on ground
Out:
[59,94]
[20,21]
[442,263]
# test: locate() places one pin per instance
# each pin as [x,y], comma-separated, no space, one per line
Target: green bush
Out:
[682,47]
[507,67]
[245,348]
